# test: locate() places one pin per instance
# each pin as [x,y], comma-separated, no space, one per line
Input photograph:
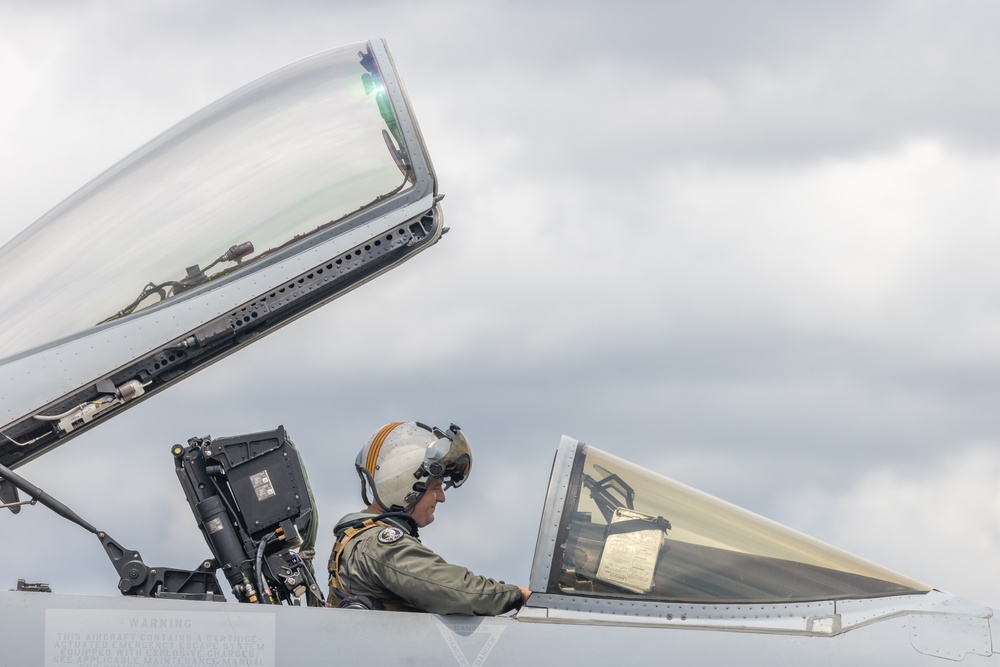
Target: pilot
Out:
[378,560]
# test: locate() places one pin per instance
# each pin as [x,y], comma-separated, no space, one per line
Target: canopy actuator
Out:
[135,577]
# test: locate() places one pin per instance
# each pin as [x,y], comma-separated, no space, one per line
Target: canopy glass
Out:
[626,532]
[293,153]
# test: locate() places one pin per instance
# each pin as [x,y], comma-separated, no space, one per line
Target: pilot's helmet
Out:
[399,460]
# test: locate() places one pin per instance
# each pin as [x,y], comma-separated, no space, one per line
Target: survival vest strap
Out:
[347,531]
[343,537]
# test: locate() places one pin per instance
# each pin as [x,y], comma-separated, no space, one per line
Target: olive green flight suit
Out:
[390,564]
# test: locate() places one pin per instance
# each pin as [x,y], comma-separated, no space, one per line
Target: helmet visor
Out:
[449,457]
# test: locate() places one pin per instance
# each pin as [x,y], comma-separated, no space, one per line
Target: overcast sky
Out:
[751,246]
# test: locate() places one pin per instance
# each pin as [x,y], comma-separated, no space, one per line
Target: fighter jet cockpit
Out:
[272,202]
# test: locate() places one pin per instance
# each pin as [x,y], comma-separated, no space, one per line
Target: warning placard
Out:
[158,639]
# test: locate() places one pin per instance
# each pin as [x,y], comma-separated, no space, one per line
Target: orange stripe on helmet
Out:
[377,445]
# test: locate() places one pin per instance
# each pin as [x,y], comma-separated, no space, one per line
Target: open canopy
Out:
[266,204]
[290,154]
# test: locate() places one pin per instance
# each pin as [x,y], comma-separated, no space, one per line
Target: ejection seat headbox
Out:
[265,478]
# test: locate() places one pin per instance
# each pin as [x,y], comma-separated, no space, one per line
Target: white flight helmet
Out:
[399,459]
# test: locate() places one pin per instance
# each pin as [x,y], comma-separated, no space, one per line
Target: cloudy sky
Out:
[752,246]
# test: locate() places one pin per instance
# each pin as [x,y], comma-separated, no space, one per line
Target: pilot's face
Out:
[423,511]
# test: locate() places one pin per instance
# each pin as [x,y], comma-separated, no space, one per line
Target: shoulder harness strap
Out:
[343,538]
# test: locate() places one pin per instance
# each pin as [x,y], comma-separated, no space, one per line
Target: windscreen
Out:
[630,533]
[293,153]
